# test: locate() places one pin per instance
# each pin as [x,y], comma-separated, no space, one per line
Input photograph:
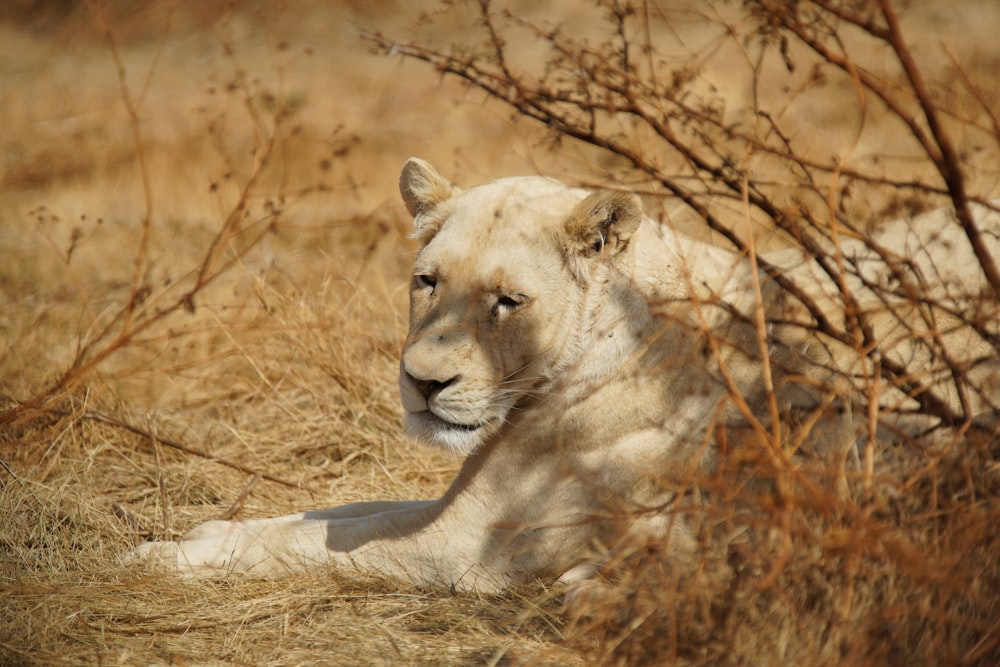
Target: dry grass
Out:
[284,367]
[284,363]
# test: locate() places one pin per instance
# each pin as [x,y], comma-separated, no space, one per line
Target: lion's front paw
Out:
[159,554]
[209,547]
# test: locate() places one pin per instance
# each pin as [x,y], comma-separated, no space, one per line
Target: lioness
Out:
[586,360]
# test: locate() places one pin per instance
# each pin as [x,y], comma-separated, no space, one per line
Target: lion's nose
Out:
[430,388]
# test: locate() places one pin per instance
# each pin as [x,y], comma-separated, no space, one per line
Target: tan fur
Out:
[585,360]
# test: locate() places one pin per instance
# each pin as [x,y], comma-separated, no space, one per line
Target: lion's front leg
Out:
[413,540]
[264,547]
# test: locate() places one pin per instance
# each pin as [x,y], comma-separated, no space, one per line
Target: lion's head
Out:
[501,296]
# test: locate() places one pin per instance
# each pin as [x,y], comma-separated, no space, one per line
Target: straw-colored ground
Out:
[271,389]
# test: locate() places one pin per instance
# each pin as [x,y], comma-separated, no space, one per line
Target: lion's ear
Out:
[603,223]
[422,187]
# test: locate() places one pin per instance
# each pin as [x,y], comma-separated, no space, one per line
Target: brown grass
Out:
[269,141]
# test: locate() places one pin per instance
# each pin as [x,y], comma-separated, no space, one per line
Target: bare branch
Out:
[948,162]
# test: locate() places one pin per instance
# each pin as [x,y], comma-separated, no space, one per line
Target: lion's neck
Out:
[640,309]
[617,325]
[670,268]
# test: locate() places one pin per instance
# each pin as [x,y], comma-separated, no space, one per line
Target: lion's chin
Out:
[436,432]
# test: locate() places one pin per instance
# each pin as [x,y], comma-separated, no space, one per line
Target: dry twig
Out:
[173,444]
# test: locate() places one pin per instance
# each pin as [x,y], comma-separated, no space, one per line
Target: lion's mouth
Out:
[457,437]
[444,423]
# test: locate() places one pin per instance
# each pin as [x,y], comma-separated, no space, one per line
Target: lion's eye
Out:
[508,303]
[425,281]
